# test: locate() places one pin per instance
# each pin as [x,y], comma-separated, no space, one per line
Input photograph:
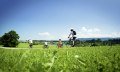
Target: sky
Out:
[53,19]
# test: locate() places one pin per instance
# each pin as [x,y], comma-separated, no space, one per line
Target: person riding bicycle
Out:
[46,44]
[30,43]
[60,44]
[72,37]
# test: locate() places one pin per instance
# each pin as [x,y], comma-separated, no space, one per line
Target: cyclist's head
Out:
[71,29]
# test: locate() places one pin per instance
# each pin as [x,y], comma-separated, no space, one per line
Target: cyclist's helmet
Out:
[71,29]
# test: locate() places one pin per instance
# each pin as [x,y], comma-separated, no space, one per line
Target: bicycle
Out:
[30,45]
[45,46]
[70,42]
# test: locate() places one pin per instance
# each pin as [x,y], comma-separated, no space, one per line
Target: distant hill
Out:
[103,39]
[81,39]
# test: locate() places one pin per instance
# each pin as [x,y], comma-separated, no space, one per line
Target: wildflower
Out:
[76,56]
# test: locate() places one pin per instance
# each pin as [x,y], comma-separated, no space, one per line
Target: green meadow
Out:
[66,59]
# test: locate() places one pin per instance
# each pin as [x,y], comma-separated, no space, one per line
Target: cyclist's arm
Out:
[70,35]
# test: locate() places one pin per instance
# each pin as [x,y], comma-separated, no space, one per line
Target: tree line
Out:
[11,39]
[80,43]
[98,42]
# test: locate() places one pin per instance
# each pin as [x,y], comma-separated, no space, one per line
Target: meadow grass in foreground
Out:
[79,59]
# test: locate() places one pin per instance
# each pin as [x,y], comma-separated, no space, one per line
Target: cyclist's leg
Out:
[30,45]
[71,41]
[46,46]
[74,38]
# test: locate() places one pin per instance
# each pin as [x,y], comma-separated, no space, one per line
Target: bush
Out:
[10,39]
[94,44]
[0,41]
[35,43]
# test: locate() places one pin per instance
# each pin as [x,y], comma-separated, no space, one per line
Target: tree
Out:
[0,41]
[10,39]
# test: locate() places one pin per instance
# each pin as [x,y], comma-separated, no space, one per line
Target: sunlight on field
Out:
[80,59]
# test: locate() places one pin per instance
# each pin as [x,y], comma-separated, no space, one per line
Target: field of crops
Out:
[80,59]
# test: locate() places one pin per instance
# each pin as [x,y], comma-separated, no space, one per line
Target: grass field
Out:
[77,59]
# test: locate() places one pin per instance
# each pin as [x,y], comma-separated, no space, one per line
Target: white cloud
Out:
[44,34]
[98,35]
[84,29]
[116,34]
[95,32]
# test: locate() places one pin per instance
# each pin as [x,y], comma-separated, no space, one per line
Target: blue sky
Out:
[52,19]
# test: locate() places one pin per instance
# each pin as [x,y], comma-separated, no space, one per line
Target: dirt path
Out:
[18,48]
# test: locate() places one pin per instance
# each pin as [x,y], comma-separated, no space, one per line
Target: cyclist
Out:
[60,43]
[72,36]
[30,43]
[45,44]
